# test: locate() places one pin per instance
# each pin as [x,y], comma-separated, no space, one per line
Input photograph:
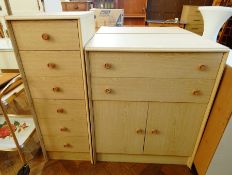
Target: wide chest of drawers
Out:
[49,50]
[151,94]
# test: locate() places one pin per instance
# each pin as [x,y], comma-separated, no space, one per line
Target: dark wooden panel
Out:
[170,9]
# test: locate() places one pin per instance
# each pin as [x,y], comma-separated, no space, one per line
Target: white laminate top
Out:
[49,16]
[142,30]
[153,43]
[5,45]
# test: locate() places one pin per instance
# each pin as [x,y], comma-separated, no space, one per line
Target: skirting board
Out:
[68,156]
[142,158]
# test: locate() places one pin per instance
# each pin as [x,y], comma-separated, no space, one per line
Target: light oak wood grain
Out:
[117,124]
[177,126]
[208,109]
[157,65]
[69,87]
[68,155]
[26,86]
[142,158]
[72,109]
[151,89]
[218,119]
[73,144]
[50,127]
[63,35]
[66,63]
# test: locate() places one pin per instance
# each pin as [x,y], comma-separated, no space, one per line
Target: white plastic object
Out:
[214,17]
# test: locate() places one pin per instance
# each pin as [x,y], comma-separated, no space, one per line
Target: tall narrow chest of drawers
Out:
[49,50]
[151,94]
[192,17]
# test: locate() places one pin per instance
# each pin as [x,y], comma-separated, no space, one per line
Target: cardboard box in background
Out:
[108,17]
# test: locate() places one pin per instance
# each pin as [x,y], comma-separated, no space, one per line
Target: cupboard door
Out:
[172,128]
[120,126]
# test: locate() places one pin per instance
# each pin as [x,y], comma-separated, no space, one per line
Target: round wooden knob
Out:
[155,131]
[196,92]
[67,145]
[108,66]
[139,131]
[45,36]
[60,110]
[63,129]
[108,91]
[76,7]
[56,89]
[51,65]
[202,67]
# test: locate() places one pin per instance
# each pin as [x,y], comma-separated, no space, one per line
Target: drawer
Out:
[66,144]
[56,87]
[51,63]
[60,109]
[195,28]
[157,65]
[194,12]
[151,89]
[75,6]
[63,128]
[195,20]
[46,35]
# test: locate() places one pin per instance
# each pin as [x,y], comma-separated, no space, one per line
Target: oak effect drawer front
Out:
[151,89]
[52,63]
[69,144]
[56,87]
[75,6]
[195,20]
[60,109]
[157,65]
[51,127]
[47,35]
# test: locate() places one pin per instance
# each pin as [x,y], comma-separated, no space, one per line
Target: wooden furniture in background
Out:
[160,23]
[134,11]
[225,35]
[76,6]
[50,57]
[154,108]
[170,9]
[192,17]
[218,119]
[1,31]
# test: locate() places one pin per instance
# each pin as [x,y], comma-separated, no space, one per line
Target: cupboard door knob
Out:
[196,92]
[51,65]
[63,129]
[76,7]
[56,89]
[108,91]
[139,131]
[60,110]
[202,67]
[45,36]
[67,145]
[155,131]
[108,66]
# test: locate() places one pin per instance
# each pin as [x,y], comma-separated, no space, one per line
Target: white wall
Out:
[52,6]
[221,163]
